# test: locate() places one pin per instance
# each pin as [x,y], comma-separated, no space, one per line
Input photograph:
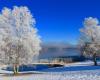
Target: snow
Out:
[73,71]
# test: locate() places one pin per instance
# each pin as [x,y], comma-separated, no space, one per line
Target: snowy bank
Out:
[74,71]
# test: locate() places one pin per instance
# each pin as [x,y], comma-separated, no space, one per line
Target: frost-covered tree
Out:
[90,38]
[19,41]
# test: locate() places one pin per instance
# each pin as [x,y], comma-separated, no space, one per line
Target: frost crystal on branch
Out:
[19,41]
[90,38]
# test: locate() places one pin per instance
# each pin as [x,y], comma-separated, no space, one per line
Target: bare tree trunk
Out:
[94,60]
[15,69]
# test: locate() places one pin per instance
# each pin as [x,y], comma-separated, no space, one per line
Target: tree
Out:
[90,38]
[19,41]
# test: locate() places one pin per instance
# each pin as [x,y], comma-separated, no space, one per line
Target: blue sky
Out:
[58,20]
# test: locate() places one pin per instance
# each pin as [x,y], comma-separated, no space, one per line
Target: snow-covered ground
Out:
[73,71]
